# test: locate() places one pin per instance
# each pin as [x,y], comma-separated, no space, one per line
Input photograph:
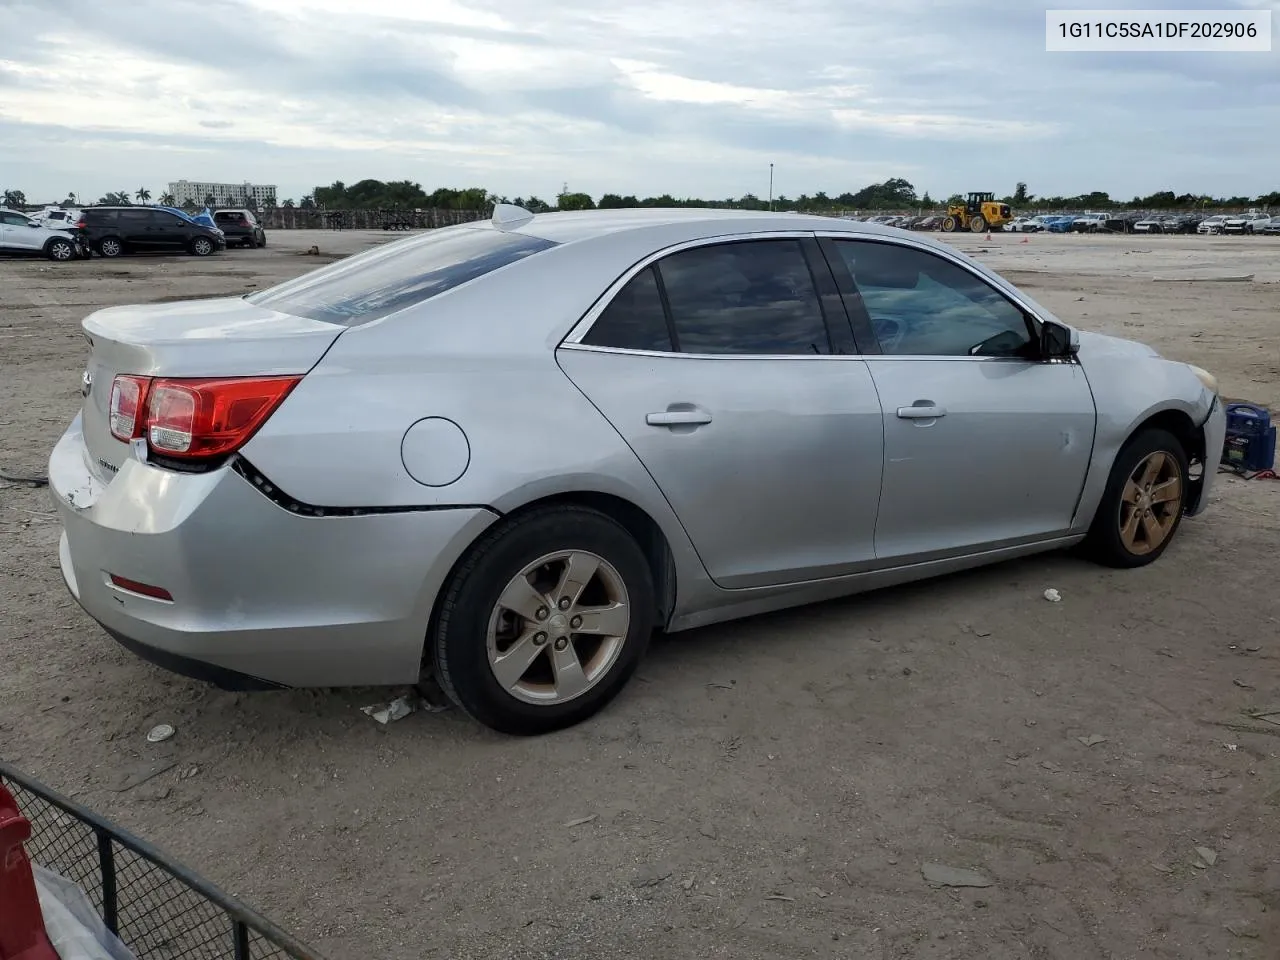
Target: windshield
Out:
[388,278]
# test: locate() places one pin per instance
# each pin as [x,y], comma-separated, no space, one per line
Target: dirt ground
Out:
[768,788]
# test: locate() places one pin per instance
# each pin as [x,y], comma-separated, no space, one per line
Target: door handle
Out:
[921,411]
[677,418]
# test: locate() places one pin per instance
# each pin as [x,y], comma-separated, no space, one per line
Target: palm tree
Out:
[308,202]
[14,198]
[143,194]
[72,199]
[168,200]
[288,203]
[210,200]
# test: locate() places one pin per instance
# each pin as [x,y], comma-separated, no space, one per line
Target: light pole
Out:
[771,187]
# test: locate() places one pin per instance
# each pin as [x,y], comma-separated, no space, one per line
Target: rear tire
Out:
[950,225]
[466,641]
[1141,507]
[977,223]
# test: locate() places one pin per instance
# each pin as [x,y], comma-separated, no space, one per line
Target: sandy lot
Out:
[768,788]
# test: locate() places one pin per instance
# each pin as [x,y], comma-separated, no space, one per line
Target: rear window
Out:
[381,281]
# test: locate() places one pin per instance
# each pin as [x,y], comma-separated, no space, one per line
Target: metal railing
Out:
[157,907]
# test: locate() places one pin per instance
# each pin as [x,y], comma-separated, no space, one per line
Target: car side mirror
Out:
[33,224]
[1058,341]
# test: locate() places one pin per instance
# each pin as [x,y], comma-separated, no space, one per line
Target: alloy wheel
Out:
[558,627]
[1150,503]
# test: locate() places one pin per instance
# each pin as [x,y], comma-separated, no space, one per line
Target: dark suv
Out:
[111,231]
[241,227]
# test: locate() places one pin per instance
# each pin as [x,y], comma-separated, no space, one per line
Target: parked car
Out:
[1058,224]
[1255,222]
[1121,222]
[111,231]
[19,234]
[1271,228]
[362,478]
[241,228]
[58,217]
[1214,224]
[1024,225]
[1089,223]
[1155,223]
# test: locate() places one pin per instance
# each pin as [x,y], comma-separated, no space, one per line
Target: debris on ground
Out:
[1053,596]
[160,733]
[1208,856]
[397,709]
[782,897]
[1242,685]
[1234,278]
[652,875]
[1092,740]
[1267,716]
[1237,929]
[942,875]
[579,821]
[137,774]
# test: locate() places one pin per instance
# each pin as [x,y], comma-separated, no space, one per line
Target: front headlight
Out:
[1204,376]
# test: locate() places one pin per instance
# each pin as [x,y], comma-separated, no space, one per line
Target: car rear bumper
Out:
[261,596]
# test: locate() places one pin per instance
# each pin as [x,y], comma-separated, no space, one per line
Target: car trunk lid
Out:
[222,337]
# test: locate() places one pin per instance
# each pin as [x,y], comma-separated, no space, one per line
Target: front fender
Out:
[1129,390]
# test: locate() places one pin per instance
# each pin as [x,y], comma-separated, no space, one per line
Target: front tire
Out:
[977,223]
[1141,508]
[110,247]
[60,250]
[202,246]
[544,620]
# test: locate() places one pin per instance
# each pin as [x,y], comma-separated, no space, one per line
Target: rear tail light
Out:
[194,419]
[128,395]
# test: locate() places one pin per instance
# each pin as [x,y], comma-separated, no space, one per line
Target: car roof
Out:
[692,222]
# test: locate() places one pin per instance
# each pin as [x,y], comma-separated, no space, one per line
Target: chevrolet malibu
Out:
[506,452]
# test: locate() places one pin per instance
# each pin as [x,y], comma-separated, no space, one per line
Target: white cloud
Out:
[636,96]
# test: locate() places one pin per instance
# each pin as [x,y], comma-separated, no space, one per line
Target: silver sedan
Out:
[507,452]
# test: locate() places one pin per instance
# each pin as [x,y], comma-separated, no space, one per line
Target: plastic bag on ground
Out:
[71,922]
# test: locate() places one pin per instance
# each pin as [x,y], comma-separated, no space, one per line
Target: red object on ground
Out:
[22,933]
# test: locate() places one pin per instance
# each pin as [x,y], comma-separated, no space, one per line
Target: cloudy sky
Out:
[691,97]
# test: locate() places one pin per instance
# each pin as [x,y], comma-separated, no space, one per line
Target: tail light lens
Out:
[194,419]
[128,395]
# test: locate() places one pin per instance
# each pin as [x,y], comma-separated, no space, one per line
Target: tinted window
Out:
[634,319]
[397,275]
[923,305]
[13,219]
[133,218]
[99,216]
[754,297]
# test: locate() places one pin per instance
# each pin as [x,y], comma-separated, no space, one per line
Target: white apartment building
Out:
[230,194]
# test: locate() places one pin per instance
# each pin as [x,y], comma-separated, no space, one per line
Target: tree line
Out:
[894,194]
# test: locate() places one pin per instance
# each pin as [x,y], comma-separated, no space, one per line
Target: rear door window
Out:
[634,319]
[753,297]
[389,278]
